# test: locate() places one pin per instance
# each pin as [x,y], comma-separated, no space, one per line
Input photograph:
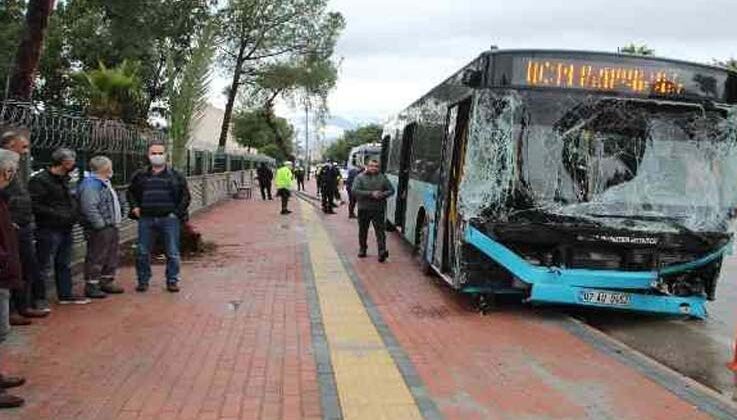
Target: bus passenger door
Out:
[454,147]
[403,184]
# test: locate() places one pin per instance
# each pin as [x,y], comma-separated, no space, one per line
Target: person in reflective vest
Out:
[284,180]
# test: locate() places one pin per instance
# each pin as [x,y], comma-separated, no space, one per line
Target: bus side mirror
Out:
[471,78]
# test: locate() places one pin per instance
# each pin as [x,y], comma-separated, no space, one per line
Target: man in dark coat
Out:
[56,212]
[33,293]
[264,176]
[299,176]
[371,189]
[10,269]
[352,174]
[330,176]
[159,199]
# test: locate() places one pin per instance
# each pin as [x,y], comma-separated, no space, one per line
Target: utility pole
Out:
[307,137]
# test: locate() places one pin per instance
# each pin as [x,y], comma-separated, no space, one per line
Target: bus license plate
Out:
[605,298]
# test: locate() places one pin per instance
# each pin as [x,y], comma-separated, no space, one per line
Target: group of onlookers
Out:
[37,218]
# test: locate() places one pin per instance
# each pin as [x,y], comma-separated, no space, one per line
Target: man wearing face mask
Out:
[21,212]
[56,212]
[159,199]
[101,215]
[10,269]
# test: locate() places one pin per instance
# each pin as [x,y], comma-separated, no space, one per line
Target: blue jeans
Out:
[168,229]
[54,252]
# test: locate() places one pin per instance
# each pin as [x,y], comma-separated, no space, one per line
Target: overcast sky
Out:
[393,51]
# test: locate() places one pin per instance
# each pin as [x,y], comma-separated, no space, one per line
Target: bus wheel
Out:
[485,303]
[421,235]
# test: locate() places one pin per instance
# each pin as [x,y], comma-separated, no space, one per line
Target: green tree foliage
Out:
[11,27]
[260,35]
[252,128]
[637,49]
[187,93]
[338,151]
[309,79]
[112,93]
[160,35]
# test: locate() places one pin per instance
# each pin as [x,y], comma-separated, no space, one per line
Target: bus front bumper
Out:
[562,294]
[631,291]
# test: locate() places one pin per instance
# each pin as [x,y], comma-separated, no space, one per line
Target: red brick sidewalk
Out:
[234,343]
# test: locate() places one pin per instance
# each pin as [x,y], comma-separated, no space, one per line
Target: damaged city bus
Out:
[572,178]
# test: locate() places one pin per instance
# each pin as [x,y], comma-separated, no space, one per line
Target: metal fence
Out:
[212,177]
[125,144]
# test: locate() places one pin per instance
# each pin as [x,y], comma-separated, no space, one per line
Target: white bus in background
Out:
[361,155]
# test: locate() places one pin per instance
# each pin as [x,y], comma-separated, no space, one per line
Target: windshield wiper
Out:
[670,221]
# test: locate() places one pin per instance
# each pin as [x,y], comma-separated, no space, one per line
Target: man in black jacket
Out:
[330,176]
[55,210]
[33,292]
[264,176]
[159,199]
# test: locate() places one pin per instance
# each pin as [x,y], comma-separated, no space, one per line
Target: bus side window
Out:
[426,152]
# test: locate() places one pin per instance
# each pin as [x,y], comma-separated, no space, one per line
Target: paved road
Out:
[698,349]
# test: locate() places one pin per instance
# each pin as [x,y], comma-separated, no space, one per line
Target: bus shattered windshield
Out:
[622,163]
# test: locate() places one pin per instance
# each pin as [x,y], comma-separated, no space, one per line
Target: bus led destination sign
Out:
[592,75]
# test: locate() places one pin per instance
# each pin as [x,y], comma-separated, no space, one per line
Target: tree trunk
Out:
[29,50]
[231,98]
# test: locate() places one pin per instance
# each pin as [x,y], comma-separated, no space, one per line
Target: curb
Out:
[704,398]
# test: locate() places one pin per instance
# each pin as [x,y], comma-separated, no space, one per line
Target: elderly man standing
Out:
[56,212]
[159,198]
[101,216]
[10,275]
[21,212]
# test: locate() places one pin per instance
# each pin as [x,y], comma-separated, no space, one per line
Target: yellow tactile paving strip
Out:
[369,383]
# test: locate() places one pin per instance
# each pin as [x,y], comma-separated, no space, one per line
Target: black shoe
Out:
[11,381]
[142,288]
[93,291]
[362,253]
[383,256]
[285,212]
[10,401]
[172,288]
